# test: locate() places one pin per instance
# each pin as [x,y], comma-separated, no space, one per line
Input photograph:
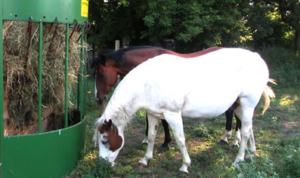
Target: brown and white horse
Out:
[109,65]
[171,88]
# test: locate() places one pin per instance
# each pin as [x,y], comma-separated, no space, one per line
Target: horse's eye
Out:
[104,142]
[101,75]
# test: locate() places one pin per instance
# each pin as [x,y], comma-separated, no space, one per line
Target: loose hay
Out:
[21,70]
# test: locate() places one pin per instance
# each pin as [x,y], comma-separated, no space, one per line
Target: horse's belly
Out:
[205,110]
[206,105]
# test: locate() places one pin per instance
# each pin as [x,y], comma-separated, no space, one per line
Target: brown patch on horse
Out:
[113,137]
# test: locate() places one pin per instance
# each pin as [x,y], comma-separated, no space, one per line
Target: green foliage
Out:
[94,168]
[289,164]
[202,131]
[204,23]
[284,65]
[196,24]
[257,168]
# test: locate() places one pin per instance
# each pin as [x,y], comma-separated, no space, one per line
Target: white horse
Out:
[172,88]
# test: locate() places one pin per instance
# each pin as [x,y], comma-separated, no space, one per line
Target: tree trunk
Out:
[297,40]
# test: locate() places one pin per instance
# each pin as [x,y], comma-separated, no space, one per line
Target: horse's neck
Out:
[119,110]
[133,58]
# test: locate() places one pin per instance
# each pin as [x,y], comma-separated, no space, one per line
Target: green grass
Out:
[277,135]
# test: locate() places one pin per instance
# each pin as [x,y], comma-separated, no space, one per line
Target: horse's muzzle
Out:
[101,100]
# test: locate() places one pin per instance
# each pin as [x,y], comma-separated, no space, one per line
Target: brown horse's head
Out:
[105,78]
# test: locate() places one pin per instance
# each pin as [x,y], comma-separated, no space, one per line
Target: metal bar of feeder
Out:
[66,76]
[1,93]
[81,88]
[40,75]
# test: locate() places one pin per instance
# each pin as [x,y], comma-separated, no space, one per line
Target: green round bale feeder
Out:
[54,153]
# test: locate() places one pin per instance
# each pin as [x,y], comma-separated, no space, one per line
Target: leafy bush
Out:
[290,160]
[284,65]
[202,131]
[259,167]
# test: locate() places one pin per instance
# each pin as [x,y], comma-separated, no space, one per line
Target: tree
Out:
[110,21]
[290,14]
[196,24]
[205,23]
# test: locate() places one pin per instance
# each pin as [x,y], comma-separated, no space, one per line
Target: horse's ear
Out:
[109,123]
[101,58]
[106,126]
[94,62]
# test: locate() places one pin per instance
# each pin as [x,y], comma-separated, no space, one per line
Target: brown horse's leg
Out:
[147,125]
[237,138]
[165,146]
[145,141]
[229,116]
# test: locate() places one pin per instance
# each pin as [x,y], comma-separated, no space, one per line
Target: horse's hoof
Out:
[142,166]
[235,165]
[237,161]
[249,157]
[223,142]
[185,174]
[163,149]
[145,141]
[235,146]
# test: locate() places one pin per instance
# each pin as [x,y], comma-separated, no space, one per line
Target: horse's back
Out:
[209,68]
[198,86]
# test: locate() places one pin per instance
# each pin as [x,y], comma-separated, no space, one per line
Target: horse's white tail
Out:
[268,94]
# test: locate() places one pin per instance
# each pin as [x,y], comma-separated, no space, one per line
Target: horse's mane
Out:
[118,55]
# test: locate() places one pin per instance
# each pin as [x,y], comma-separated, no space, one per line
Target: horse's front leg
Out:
[175,122]
[152,131]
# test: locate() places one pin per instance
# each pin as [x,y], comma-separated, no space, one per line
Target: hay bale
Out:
[21,68]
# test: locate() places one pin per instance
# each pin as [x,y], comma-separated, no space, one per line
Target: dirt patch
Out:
[290,128]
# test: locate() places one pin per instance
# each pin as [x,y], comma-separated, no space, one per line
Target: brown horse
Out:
[108,66]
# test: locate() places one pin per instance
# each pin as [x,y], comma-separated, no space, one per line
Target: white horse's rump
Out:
[170,87]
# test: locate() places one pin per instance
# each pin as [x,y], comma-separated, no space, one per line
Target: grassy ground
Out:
[277,135]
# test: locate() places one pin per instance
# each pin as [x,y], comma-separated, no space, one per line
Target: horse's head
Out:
[105,78]
[111,141]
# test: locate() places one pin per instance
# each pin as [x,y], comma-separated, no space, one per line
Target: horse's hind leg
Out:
[153,125]
[175,122]
[227,134]
[252,148]
[246,114]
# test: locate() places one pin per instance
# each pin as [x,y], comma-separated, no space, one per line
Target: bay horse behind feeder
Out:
[109,65]
[167,94]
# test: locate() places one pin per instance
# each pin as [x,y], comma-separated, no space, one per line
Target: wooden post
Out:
[117,45]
